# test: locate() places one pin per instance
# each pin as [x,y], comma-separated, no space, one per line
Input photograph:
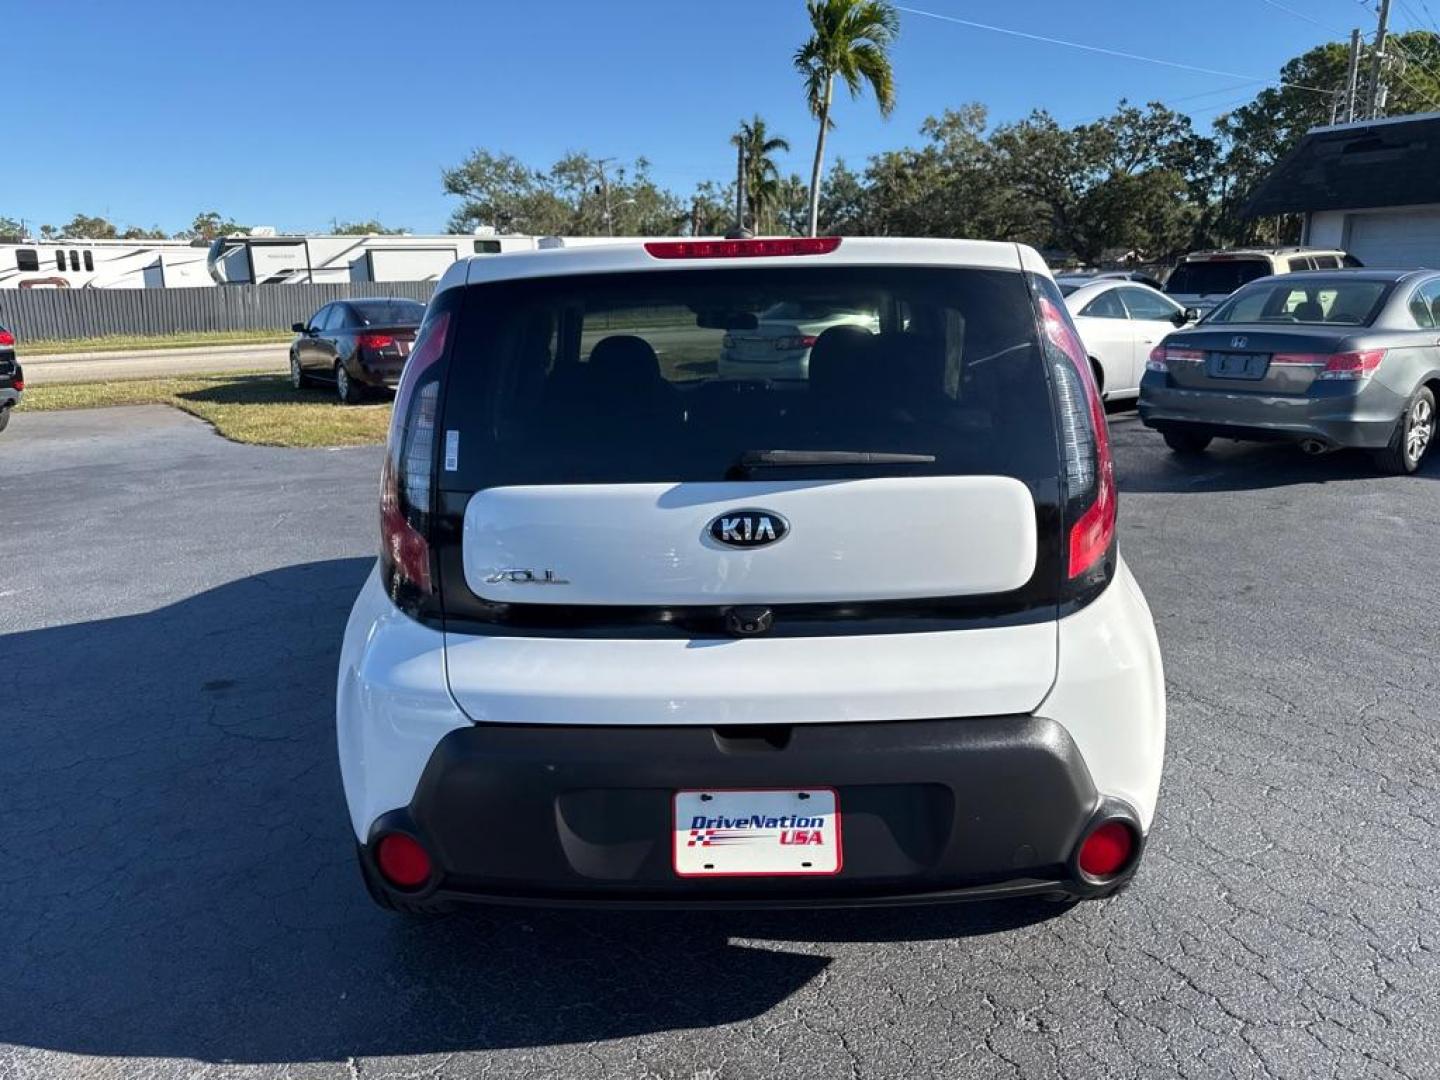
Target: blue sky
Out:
[291,114]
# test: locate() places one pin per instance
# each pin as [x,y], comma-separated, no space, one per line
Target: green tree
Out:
[844,206]
[363,228]
[82,226]
[762,175]
[849,40]
[1125,182]
[134,232]
[577,196]
[947,187]
[10,226]
[712,209]
[210,225]
[1309,94]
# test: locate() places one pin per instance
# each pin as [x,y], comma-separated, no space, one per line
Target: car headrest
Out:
[623,361]
[840,362]
[914,367]
[1309,311]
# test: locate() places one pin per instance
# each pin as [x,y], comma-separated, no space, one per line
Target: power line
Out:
[1107,52]
[1302,15]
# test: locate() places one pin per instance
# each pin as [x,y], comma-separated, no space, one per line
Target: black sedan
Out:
[1325,359]
[359,345]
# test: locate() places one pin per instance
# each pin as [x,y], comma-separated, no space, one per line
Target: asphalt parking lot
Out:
[178,896]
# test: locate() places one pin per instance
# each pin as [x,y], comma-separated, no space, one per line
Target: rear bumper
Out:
[932,810]
[377,373]
[1364,418]
[564,811]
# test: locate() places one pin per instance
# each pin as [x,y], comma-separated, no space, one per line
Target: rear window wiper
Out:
[779,459]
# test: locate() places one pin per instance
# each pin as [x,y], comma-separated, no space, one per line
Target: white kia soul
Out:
[642,633]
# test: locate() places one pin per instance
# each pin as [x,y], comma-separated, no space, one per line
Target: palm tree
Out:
[850,39]
[762,175]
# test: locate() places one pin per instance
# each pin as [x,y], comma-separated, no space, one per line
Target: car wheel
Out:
[1414,433]
[390,902]
[298,379]
[4,418]
[1186,442]
[347,389]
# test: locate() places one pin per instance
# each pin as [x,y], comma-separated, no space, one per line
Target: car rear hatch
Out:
[622,536]
[1205,282]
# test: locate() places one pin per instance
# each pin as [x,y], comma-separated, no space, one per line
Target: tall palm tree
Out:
[762,175]
[850,39]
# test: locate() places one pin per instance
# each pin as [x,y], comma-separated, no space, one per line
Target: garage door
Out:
[1396,238]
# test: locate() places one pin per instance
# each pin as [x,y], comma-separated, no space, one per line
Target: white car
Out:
[776,343]
[642,635]
[1120,322]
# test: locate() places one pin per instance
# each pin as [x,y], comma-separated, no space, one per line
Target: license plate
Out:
[1237,365]
[757,833]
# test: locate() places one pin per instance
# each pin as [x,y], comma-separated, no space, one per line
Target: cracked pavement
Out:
[178,896]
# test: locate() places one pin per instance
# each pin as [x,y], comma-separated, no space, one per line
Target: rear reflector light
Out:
[6,337]
[18,384]
[785,344]
[403,862]
[741,249]
[1107,850]
[375,341]
[1162,356]
[1352,365]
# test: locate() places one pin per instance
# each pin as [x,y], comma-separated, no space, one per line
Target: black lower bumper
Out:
[932,810]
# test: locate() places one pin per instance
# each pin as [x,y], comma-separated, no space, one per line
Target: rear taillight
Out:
[6,337]
[1162,357]
[741,249]
[17,383]
[802,341]
[407,476]
[1085,439]
[375,341]
[1352,365]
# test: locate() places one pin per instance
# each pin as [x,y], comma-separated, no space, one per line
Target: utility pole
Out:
[1352,76]
[740,189]
[1375,107]
[605,194]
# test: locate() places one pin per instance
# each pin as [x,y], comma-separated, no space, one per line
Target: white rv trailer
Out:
[101,264]
[264,258]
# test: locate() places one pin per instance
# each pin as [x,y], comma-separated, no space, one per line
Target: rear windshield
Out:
[1215,278]
[1315,301]
[389,312]
[686,375]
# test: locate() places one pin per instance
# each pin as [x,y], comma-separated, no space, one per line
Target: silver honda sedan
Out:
[1327,359]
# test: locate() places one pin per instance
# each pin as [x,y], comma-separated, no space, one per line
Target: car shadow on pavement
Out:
[1145,465]
[179,878]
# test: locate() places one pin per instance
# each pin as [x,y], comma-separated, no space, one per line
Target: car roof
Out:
[1221,253]
[1348,273]
[632,255]
[1097,286]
